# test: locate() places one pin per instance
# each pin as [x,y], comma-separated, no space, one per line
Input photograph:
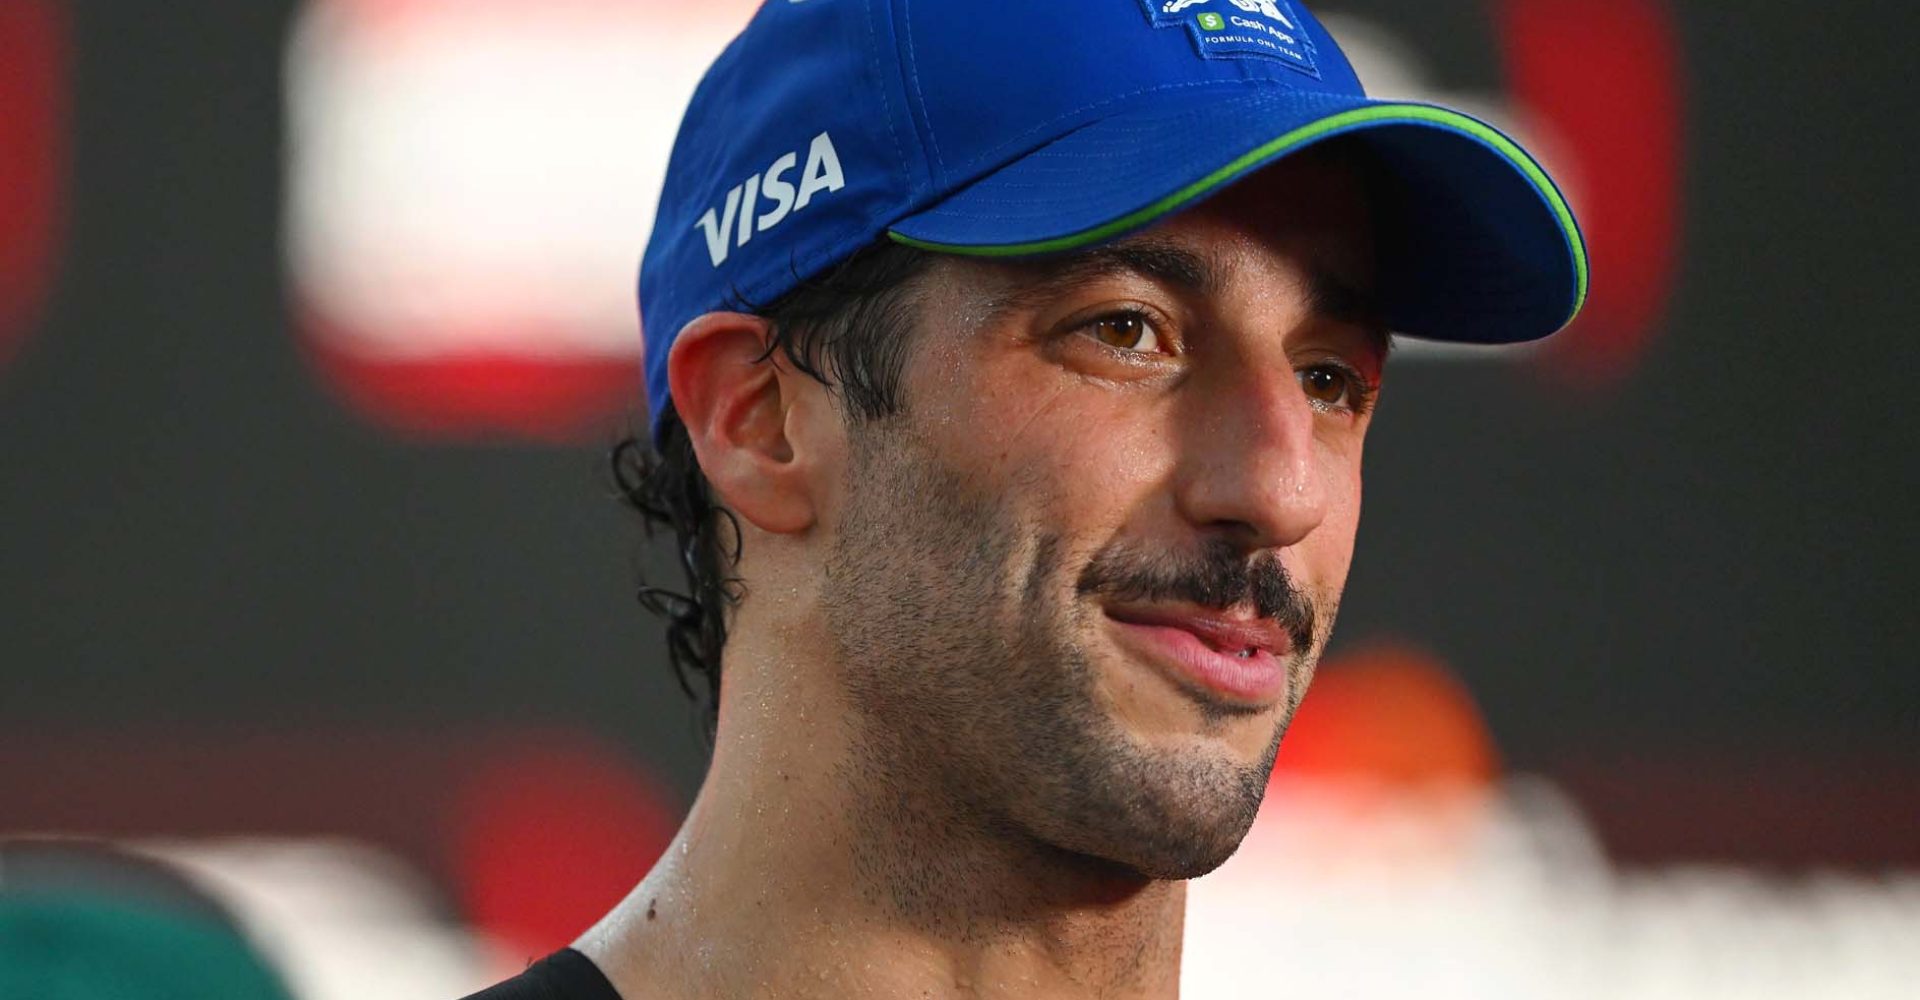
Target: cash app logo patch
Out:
[1240,29]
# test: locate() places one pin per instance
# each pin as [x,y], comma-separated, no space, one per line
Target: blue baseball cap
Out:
[1007,128]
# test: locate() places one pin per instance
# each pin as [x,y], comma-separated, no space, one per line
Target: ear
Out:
[736,400]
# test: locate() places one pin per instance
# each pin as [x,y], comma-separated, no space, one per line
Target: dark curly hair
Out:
[848,328]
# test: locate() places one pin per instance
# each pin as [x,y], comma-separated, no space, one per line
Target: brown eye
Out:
[1327,386]
[1126,331]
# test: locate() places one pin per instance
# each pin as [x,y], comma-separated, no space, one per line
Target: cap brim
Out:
[1479,246]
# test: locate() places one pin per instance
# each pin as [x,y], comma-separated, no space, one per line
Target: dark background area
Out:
[1685,594]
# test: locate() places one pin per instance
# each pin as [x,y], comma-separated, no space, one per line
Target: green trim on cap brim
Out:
[1387,113]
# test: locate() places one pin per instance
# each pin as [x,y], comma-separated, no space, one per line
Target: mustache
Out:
[1218,577]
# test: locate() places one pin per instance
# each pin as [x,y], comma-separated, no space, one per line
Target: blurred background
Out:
[316,322]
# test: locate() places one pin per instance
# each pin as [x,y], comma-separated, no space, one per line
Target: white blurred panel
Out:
[1488,895]
[480,176]
[339,921]
[1505,895]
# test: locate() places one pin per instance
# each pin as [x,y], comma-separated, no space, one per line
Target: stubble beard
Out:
[964,658]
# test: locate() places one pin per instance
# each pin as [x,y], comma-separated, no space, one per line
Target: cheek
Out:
[1004,412]
[1327,553]
[1071,453]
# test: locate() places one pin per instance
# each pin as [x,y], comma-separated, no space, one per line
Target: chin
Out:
[1175,855]
[1167,813]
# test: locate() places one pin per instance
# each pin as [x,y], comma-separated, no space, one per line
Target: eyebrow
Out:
[1328,294]
[1157,259]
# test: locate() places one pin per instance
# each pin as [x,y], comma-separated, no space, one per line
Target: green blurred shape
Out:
[78,947]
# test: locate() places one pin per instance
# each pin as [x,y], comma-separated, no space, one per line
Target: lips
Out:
[1233,662]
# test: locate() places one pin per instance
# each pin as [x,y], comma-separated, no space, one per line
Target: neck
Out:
[816,863]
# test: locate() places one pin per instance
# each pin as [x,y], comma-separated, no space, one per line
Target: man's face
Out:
[1080,581]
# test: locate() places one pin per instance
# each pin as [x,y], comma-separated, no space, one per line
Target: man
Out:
[1010,367]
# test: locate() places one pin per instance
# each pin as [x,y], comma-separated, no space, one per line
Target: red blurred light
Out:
[546,840]
[1606,75]
[1389,716]
[33,106]
[479,395]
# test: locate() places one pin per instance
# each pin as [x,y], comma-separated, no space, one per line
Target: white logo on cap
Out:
[1265,8]
[822,174]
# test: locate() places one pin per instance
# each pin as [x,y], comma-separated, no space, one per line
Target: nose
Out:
[1250,468]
